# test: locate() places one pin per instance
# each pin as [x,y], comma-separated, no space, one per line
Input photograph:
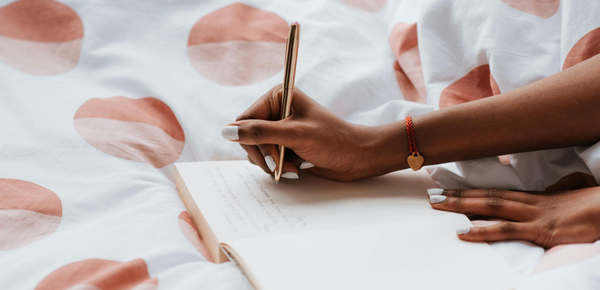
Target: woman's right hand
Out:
[338,149]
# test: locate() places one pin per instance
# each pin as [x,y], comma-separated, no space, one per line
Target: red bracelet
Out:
[415,160]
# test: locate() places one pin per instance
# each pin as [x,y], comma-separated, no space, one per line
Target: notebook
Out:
[314,233]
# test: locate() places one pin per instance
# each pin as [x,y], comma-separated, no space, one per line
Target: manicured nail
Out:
[435,191]
[306,165]
[270,162]
[290,175]
[462,231]
[230,132]
[437,198]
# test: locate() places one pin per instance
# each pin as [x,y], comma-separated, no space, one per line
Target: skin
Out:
[562,217]
[555,112]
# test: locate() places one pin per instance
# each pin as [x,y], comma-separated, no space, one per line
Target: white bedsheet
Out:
[99,98]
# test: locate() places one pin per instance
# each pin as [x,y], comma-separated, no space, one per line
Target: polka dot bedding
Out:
[98,99]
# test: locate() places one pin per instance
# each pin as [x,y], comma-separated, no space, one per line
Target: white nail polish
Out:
[230,132]
[290,175]
[306,165]
[437,198]
[270,162]
[462,231]
[435,191]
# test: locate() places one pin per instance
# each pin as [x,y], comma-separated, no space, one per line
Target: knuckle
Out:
[495,192]
[494,202]
[455,192]
[255,132]
[507,228]
[264,150]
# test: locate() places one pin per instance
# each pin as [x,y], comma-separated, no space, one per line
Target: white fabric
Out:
[120,210]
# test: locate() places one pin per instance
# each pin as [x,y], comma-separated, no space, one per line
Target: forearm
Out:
[562,110]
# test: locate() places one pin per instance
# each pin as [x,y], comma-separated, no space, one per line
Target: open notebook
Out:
[312,233]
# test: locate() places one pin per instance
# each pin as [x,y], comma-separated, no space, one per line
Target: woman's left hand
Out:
[562,217]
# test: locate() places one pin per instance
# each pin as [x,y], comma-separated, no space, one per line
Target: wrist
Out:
[385,147]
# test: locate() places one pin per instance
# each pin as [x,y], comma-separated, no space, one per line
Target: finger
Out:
[300,163]
[270,154]
[256,156]
[289,171]
[490,207]
[271,158]
[266,107]
[250,160]
[488,193]
[499,232]
[253,132]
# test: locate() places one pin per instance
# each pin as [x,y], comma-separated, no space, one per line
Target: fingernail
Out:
[462,231]
[270,162]
[435,191]
[230,132]
[290,175]
[437,198]
[306,165]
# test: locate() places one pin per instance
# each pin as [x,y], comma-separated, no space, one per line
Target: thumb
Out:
[255,132]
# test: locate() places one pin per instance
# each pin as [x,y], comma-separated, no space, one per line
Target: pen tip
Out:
[276,182]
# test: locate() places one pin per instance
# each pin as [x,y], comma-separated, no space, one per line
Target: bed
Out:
[98,99]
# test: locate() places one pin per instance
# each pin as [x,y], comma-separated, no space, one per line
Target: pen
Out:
[291,55]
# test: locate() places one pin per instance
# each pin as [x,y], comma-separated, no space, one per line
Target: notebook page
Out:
[240,201]
[420,253]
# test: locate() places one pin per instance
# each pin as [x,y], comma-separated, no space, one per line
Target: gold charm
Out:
[415,161]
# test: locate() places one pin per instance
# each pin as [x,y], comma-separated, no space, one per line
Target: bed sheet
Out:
[98,99]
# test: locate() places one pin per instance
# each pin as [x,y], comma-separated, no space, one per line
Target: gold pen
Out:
[291,55]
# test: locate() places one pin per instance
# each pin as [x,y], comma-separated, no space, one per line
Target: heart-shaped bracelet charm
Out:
[415,161]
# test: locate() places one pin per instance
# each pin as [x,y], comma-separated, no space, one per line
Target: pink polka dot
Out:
[477,84]
[504,159]
[40,37]
[539,8]
[408,68]
[97,274]
[366,5]
[28,213]
[587,47]
[143,130]
[238,45]
[189,231]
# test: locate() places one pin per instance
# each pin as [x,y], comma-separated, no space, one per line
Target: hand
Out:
[338,149]
[563,217]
